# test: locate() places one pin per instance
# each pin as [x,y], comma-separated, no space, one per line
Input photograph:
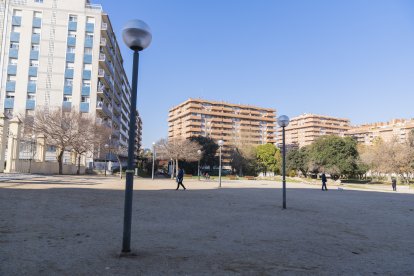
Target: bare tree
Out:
[59,127]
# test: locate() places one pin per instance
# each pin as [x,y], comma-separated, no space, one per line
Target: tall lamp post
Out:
[283,121]
[106,156]
[220,143]
[199,157]
[153,159]
[137,36]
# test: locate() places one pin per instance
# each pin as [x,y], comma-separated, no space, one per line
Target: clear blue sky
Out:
[349,58]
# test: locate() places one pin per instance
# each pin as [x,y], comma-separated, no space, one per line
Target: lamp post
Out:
[153,159]
[220,143]
[137,36]
[199,157]
[283,121]
[106,156]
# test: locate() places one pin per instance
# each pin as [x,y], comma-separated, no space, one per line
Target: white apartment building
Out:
[62,53]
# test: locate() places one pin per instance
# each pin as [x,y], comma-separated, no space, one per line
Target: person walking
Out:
[323,177]
[394,184]
[180,178]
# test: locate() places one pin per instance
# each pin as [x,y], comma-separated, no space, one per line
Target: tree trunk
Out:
[79,159]
[60,161]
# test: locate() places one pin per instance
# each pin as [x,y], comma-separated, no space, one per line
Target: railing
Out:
[104,27]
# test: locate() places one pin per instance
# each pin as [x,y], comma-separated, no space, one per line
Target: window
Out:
[38,1]
[73,18]
[67,98]
[14,45]
[68,82]
[36,30]
[71,34]
[84,99]
[9,95]
[12,61]
[70,65]
[37,14]
[70,49]
[31,97]
[34,63]
[88,51]
[90,20]
[35,47]
[89,36]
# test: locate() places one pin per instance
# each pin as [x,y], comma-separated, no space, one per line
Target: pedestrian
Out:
[394,184]
[180,178]
[323,177]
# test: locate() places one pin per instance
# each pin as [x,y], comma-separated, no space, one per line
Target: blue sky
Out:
[349,58]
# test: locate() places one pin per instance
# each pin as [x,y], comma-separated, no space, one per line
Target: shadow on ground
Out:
[216,231]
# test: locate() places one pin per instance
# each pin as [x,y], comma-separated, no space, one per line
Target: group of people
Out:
[324,180]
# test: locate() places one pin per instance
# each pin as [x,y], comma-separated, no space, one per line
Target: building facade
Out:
[231,123]
[57,53]
[303,130]
[368,133]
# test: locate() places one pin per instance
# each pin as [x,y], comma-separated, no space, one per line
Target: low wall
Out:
[27,166]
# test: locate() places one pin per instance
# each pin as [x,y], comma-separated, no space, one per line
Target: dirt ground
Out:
[70,225]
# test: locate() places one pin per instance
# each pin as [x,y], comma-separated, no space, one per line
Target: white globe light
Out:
[220,143]
[136,35]
[199,151]
[283,121]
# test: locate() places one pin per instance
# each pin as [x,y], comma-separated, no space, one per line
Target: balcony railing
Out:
[104,26]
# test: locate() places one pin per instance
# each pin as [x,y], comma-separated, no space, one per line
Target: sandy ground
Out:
[73,226]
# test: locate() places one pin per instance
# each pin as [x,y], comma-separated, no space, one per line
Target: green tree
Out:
[298,160]
[243,160]
[334,155]
[268,158]
[209,148]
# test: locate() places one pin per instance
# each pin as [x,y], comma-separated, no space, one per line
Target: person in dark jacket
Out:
[394,184]
[323,177]
[180,178]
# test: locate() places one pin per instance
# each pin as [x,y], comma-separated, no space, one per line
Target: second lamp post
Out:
[220,143]
[283,121]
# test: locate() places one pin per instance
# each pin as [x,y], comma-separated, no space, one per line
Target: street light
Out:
[283,121]
[106,156]
[220,143]
[153,159]
[199,157]
[137,36]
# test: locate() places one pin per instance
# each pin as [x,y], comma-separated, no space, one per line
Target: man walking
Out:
[180,178]
[394,184]
[323,177]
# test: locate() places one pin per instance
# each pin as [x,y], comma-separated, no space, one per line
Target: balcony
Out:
[103,110]
[10,86]
[34,55]
[14,53]
[87,58]
[37,22]
[9,103]
[12,69]
[31,87]
[14,37]
[104,26]
[69,73]
[102,92]
[102,57]
[36,38]
[30,104]
[103,41]
[116,120]
[72,26]
[86,74]
[84,107]
[71,41]
[16,20]
[88,42]
[86,90]
[67,106]
[70,57]
[67,90]
[90,27]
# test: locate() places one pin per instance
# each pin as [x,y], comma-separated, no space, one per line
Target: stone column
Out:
[4,131]
[41,147]
[13,145]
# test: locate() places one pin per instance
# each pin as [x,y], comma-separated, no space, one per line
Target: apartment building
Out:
[304,129]
[232,123]
[397,128]
[63,54]
[138,136]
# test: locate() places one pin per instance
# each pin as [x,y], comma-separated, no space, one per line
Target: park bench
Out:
[250,177]
[232,177]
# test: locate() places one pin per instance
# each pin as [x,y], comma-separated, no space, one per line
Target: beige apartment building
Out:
[397,128]
[304,129]
[232,123]
[65,54]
